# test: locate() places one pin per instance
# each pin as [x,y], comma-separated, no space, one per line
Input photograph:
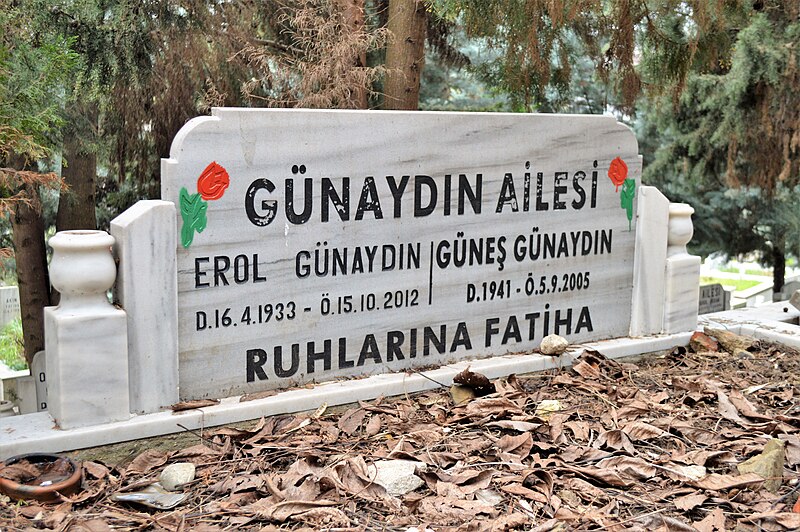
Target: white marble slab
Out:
[256,312]
[647,310]
[146,288]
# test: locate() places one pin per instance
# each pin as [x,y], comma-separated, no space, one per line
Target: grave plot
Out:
[659,443]
[301,257]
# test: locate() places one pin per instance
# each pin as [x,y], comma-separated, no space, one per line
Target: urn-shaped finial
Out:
[82,268]
[680,229]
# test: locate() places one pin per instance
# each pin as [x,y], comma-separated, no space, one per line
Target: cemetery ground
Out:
[653,443]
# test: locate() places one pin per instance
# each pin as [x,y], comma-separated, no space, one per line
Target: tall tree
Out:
[732,140]
[405,53]
[33,71]
[310,53]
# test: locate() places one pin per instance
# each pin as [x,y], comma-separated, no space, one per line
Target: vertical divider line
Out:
[430,279]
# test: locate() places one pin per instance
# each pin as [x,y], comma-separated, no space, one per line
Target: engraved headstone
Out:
[9,304]
[713,298]
[321,244]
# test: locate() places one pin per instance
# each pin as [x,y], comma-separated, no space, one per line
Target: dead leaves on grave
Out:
[604,445]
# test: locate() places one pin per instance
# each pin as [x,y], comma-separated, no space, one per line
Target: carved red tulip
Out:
[618,173]
[213,181]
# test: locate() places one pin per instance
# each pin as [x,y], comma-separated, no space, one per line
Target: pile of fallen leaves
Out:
[600,446]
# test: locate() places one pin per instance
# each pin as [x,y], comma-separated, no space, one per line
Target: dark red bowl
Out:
[49,493]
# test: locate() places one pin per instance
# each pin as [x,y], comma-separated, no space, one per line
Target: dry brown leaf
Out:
[727,409]
[704,457]
[641,431]
[745,407]
[635,468]
[792,449]
[585,370]
[239,483]
[449,511]
[633,410]
[683,473]
[257,395]
[521,491]
[698,434]
[573,453]
[58,516]
[580,429]
[496,406]
[689,502]
[92,525]
[788,520]
[478,382]
[98,471]
[519,445]
[663,522]
[196,450]
[467,481]
[282,511]
[324,518]
[551,525]
[351,420]
[373,425]
[147,461]
[521,426]
[191,405]
[612,478]
[512,521]
[616,440]
[714,481]
[714,522]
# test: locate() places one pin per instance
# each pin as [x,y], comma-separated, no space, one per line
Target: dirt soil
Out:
[603,445]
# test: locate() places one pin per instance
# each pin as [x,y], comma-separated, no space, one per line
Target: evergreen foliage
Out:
[33,68]
[730,144]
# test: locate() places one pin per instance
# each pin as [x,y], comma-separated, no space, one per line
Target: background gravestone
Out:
[317,244]
[9,304]
[713,298]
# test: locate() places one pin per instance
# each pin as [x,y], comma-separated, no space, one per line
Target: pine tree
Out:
[732,141]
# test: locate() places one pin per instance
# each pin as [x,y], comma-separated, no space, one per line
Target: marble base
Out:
[35,432]
[87,366]
[681,293]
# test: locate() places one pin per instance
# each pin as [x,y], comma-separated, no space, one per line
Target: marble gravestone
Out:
[321,244]
[713,298]
[9,304]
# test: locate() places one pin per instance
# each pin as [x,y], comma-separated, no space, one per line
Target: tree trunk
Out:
[27,227]
[76,205]
[778,269]
[353,13]
[405,54]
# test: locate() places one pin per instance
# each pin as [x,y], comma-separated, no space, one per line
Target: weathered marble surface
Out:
[146,287]
[681,293]
[87,370]
[219,329]
[647,310]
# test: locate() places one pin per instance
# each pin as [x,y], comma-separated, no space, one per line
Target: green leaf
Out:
[193,213]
